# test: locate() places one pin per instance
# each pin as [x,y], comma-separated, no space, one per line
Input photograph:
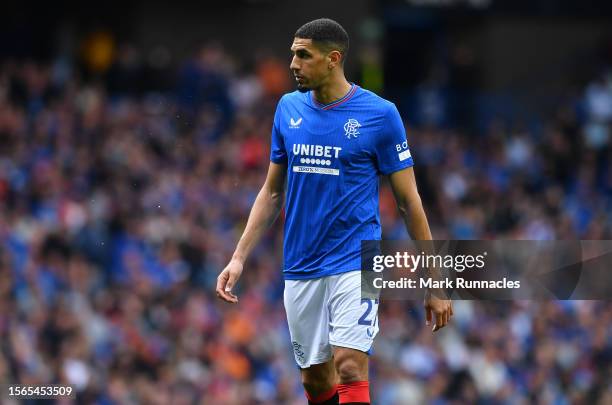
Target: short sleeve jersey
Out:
[334,155]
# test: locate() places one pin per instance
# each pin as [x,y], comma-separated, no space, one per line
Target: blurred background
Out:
[134,137]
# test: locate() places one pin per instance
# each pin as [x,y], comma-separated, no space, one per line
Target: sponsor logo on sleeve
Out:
[404,155]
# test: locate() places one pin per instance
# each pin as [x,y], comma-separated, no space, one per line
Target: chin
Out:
[301,88]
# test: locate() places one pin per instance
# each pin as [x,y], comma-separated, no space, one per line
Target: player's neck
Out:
[332,91]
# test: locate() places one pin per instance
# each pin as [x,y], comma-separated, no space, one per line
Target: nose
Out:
[294,66]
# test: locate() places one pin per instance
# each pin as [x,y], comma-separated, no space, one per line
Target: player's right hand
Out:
[227,280]
[440,306]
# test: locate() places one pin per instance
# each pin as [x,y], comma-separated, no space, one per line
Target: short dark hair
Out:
[327,34]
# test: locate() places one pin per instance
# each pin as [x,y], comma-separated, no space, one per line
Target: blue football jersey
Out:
[334,154]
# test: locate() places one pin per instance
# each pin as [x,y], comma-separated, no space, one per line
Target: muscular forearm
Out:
[415,219]
[418,228]
[266,208]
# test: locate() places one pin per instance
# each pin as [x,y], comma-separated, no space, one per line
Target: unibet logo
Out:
[300,149]
[317,155]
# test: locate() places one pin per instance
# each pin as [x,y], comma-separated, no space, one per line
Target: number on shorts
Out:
[363,320]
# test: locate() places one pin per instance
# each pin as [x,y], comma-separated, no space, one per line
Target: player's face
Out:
[309,65]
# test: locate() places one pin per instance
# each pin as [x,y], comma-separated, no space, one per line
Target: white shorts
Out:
[326,312]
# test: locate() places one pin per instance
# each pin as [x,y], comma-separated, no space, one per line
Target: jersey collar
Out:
[336,103]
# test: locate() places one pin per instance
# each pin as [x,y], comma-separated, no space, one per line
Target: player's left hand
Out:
[437,305]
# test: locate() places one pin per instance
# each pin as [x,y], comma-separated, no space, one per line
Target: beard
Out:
[302,89]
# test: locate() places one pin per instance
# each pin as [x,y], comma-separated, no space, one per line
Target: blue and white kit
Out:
[334,154]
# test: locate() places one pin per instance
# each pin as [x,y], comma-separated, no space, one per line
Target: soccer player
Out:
[331,140]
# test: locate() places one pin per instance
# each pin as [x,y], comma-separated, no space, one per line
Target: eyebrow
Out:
[299,49]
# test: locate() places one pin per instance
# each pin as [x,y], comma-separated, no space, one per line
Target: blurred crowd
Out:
[120,204]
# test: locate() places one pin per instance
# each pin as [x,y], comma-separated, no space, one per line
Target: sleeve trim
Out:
[397,167]
[278,160]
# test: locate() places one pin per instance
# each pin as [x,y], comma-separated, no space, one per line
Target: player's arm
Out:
[264,212]
[409,203]
[403,184]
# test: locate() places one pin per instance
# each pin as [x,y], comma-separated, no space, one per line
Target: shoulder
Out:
[375,103]
[295,97]
[382,113]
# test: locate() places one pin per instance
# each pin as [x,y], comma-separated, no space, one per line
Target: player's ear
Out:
[334,57]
